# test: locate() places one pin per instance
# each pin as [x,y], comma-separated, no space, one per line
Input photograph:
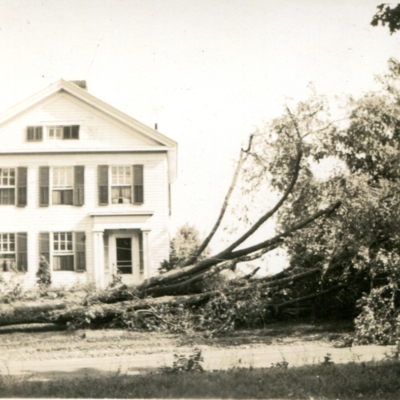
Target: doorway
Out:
[124,256]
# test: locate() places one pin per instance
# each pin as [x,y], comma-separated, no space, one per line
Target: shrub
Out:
[43,274]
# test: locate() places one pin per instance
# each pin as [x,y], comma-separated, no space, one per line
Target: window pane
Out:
[63,177]
[121,195]
[7,196]
[56,197]
[56,263]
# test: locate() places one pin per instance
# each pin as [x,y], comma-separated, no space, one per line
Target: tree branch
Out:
[202,247]
[270,213]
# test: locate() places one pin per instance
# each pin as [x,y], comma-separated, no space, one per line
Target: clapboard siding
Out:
[34,219]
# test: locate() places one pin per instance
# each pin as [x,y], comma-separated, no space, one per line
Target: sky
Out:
[208,72]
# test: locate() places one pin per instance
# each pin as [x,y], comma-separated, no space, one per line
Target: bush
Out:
[43,275]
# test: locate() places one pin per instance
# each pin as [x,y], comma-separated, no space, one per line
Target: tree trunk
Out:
[61,313]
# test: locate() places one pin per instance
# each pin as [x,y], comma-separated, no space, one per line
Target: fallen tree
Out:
[280,160]
[340,233]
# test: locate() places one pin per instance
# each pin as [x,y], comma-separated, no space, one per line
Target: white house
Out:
[84,185]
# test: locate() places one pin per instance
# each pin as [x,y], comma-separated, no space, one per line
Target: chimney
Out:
[81,84]
[155,126]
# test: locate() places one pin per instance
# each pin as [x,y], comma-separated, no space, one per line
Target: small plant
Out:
[327,359]
[280,365]
[116,280]
[11,288]
[184,364]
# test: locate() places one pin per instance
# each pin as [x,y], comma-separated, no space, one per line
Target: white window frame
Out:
[8,248]
[62,252]
[57,132]
[65,181]
[124,179]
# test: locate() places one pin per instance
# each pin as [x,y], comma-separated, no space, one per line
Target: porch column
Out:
[146,254]
[98,258]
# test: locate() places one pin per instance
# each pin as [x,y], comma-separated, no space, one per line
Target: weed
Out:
[280,365]
[185,364]
[327,360]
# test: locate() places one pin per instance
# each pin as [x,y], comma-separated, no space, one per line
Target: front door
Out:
[124,255]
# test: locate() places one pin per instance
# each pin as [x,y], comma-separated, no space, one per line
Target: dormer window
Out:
[65,132]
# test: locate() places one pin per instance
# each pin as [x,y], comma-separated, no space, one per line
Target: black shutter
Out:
[39,133]
[138,190]
[75,132]
[34,133]
[79,185]
[44,245]
[44,186]
[22,186]
[80,253]
[141,258]
[66,132]
[102,172]
[30,133]
[22,252]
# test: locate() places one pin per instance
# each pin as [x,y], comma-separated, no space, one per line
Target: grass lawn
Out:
[325,381]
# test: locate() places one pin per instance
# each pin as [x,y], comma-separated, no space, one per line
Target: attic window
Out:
[63,132]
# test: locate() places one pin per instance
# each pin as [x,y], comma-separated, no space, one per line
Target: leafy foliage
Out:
[387,15]
[182,247]
[184,364]
[43,274]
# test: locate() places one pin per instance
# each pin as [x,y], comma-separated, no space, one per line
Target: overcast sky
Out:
[207,71]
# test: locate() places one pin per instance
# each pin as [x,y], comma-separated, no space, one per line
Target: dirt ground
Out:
[107,343]
[73,354]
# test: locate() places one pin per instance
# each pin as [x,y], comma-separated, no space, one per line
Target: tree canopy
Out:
[389,15]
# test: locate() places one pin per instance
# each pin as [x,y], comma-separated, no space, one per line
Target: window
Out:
[66,186]
[34,133]
[7,186]
[67,251]
[55,132]
[63,132]
[125,184]
[121,185]
[62,185]
[63,252]
[13,252]
[12,181]
[7,252]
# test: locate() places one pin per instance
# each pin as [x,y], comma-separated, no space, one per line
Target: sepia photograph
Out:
[200,199]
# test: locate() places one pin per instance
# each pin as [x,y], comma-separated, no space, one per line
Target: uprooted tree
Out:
[340,230]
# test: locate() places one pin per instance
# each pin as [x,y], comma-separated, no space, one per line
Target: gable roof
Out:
[74,90]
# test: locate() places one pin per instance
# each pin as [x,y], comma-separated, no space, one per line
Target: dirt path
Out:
[214,359]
